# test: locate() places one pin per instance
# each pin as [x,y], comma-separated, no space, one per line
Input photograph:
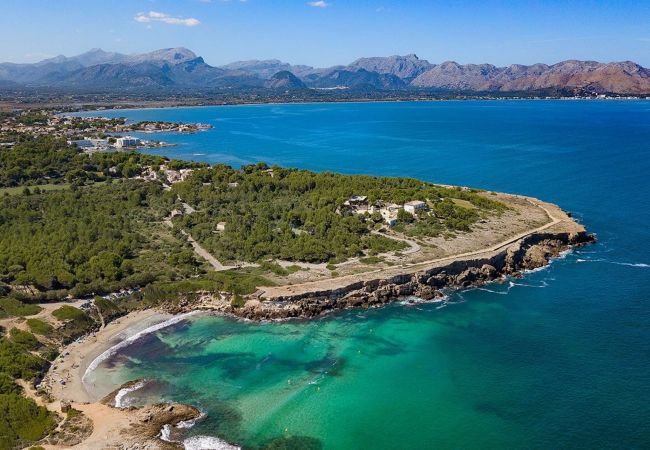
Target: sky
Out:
[322,33]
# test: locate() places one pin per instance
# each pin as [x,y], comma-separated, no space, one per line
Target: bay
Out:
[558,359]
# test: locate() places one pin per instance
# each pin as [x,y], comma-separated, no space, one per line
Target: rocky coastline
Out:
[528,253]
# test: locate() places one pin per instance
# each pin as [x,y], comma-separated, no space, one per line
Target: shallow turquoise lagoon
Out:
[559,359]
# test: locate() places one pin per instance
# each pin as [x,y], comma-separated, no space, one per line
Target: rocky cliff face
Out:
[571,76]
[528,253]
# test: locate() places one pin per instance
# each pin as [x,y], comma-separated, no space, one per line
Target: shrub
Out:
[11,307]
[22,421]
[237,301]
[24,338]
[40,327]
[17,362]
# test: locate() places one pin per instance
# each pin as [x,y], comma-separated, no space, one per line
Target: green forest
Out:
[292,214]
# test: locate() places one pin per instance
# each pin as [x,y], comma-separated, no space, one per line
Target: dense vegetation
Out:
[86,240]
[40,160]
[292,214]
[21,419]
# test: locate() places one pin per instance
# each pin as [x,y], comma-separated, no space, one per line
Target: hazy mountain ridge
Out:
[181,68]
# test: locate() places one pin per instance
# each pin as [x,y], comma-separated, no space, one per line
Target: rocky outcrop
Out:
[145,423]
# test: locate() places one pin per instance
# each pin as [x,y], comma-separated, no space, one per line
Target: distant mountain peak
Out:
[181,68]
[284,80]
[405,67]
[173,55]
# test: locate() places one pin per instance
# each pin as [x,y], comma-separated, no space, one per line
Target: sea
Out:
[557,359]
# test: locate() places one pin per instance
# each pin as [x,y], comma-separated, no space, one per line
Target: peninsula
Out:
[97,243]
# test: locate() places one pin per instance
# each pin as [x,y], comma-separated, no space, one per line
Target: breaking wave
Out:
[128,341]
[120,398]
[207,443]
[618,263]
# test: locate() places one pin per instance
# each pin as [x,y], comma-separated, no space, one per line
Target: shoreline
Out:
[76,357]
[333,102]
[429,280]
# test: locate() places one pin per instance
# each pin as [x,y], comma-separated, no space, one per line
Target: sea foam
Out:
[120,398]
[207,443]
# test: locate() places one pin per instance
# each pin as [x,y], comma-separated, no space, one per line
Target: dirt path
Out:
[414,246]
[554,214]
[198,249]
[203,253]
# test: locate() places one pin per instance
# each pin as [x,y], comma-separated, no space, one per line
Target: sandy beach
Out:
[75,358]
[110,425]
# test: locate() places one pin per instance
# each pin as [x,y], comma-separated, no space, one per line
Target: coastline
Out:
[530,250]
[332,102]
[72,363]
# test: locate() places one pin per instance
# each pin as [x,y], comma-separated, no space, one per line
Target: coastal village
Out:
[91,134]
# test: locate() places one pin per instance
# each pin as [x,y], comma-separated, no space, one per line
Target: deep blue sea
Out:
[560,359]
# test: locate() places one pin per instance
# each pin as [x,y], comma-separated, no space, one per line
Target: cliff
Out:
[426,280]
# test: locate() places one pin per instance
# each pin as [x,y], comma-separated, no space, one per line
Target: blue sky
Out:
[327,32]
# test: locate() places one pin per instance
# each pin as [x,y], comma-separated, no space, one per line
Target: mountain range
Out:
[180,68]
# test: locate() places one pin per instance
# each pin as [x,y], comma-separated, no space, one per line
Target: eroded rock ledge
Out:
[146,423]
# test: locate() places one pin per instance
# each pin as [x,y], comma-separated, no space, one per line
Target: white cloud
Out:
[154,16]
[319,4]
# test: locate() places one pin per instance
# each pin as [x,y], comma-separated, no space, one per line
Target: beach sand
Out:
[109,424]
[75,358]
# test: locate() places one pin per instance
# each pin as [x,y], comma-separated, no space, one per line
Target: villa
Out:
[414,206]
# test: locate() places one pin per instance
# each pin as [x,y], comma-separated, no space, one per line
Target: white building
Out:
[414,206]
[90,144]
[127,141]
[221,226]
[389,213]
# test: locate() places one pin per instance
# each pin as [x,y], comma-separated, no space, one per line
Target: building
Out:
[127,141]
[414,206]
[221,226]
[389,213]
[357,204]
[176,176]
[357,200]
[90,144]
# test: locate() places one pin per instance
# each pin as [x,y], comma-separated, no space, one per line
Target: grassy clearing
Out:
[17,190]
[372,260]
[463,203]
[11,307]
[67,312]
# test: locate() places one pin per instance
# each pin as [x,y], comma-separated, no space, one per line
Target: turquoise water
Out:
[559,359]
